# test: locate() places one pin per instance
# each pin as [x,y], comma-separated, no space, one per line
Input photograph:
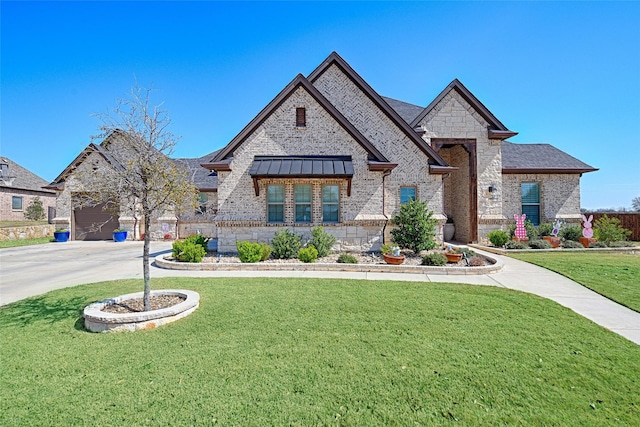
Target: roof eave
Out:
[224,166]
[548,170]
[440,170]
[501,134]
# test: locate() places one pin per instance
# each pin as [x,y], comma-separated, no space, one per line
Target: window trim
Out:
[537,205]
[276,203]
[296,203]
[13,200]
[415,193]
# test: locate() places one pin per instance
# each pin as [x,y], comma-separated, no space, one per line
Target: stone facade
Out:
[26,232]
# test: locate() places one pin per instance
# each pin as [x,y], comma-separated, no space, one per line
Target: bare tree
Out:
[635,203]
[141,180]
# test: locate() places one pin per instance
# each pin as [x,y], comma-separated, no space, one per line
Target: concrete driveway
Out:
[34,270]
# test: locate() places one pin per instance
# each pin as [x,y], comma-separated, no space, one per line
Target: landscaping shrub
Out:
[467,252]
[249,251]
[322,241]
[532,233]
[198,239]
[308,254]
[347,259]
[572,244]
[545,229]
[512,244]
[35,210]
[187,251]
[539,244]
[476,261]
[621,244]
[415,227]
[266,250]
[434,258]
[598,245]
[286,244]
[498,238]
[608,229]
[571,232]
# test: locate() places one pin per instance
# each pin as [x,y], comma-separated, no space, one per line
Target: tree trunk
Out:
[145,263]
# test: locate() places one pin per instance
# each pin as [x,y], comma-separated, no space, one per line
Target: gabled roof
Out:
[12,175]
[539,158]
[203,178]
[407,111]
[496,129]
[57,183]
[222,159]
[335,59]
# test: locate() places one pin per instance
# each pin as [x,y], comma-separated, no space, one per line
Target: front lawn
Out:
[616,276]
[24,242]
[266,351]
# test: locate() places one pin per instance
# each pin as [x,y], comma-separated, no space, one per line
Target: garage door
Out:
[92,223]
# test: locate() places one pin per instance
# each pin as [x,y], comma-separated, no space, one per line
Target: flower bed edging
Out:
[96,320]
[162,262]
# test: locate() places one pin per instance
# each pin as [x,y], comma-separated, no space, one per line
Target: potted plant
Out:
[61,235]
[449,230]
[391,254]
[119,235]
[453,254]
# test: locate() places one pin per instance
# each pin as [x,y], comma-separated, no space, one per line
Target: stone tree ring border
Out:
[96,320]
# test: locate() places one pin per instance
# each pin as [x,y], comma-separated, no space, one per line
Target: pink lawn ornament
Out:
[520,233]
[587,231]
[556,227]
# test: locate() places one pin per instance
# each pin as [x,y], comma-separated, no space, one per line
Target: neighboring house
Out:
[18,187]
[97,222]
[328,150]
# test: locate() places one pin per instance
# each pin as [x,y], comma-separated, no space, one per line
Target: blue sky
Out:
[564,73]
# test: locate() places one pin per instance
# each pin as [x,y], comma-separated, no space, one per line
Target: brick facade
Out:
[7,213]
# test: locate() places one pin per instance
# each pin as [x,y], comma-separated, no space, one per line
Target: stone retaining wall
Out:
[26,232]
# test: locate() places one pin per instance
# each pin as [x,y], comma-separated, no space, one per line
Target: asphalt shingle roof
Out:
[201,177]
[539,156]
[407,111]
[23,179]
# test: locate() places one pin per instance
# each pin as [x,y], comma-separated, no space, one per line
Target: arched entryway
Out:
[461,187]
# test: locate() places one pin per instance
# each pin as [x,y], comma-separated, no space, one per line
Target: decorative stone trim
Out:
[162,262]
[96,320]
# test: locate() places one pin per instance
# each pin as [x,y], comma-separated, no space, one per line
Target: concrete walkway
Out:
[33,270]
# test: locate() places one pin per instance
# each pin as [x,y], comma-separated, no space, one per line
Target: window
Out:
[202,203]
[301,117]
[275,203]
[302,199]
[531,201]
[406,194]
[330,203]
[16,203]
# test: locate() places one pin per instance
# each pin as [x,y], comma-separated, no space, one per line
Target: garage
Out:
[93,223]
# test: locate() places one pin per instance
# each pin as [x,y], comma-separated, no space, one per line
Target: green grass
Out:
[21,223]
[24,242]
[317,352]
[616,276]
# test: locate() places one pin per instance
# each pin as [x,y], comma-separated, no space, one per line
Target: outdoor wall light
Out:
[493,192]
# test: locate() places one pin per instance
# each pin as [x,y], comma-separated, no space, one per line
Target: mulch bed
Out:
[136,305]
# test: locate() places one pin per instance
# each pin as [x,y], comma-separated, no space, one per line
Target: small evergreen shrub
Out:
[286,244]
[498,238]
[512,244]
[347,259]
[266,250]
[598,245]
[415,227]
[571,232]
[198,239]
[434,259]
[187,251]
[385,248]
[608,229]
[621,244]
[308,254]
[467,252]
[322,241]
[545,229]
[539,244]
[572,244]
[35,210]
[249,251]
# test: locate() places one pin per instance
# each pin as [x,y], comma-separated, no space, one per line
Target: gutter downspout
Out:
[384,190]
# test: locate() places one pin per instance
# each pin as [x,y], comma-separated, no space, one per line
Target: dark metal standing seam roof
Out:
[301,167]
